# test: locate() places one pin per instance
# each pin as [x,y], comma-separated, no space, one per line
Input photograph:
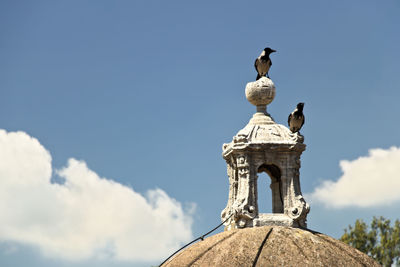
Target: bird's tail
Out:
[258,76]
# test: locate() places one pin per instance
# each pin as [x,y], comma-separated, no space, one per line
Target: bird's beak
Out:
[272,50]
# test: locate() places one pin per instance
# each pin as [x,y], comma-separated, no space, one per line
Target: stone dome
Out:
[270,246]
[258,132]
[261,132]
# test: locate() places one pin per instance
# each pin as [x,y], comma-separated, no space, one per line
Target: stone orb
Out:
[260,92]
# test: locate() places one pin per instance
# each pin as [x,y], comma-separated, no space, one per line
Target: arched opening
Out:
[264,196]
[269,189]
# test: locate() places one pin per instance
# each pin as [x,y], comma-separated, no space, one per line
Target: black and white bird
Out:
[263,62]
[296,118]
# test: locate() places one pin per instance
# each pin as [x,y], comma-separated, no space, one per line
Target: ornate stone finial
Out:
[264,146]
[260,93]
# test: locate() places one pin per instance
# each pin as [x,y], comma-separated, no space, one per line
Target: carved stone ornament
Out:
[264,146]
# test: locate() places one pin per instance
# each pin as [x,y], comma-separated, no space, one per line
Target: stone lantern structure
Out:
[264,146]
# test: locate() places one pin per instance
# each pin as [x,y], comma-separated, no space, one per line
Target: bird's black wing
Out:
[289,118]
[304,119]
[255,65]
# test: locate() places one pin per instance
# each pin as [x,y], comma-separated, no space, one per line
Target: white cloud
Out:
[368,181]
[87,216]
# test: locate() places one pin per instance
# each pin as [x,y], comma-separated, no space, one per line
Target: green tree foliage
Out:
[381,241]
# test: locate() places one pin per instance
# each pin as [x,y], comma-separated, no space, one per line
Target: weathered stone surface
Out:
[270,246]
[264,146]
[260,92]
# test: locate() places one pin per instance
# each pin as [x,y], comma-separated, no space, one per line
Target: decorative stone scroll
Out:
[264,146]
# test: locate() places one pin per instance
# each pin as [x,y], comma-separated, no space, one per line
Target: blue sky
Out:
[141,95]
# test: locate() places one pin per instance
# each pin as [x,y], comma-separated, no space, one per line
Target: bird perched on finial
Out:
[296,118]
[263,63]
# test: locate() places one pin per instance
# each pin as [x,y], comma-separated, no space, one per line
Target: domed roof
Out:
[263,131]
[270,246]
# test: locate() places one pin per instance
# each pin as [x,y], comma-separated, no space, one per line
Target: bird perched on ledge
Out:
[296,118]
[263,63]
